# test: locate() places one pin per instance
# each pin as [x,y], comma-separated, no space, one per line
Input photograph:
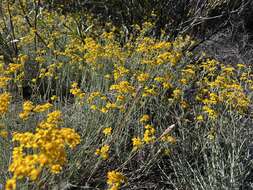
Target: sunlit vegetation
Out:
[86,104]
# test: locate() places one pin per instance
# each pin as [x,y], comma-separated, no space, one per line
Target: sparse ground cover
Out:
[86,105]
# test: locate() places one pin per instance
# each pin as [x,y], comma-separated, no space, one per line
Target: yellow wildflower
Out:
[104,110]
[149,92]
[210,112]
[56,168]
[110,105]
[12,68]
[137,143]
[103,152]
[123,87]
[35,174]
[93,107]
[43,107]
[144,118]
[107,131]
[49,141]
[27,109]
[115,179]
[177,93]
[143,77]
[200,118]
[4,102]
[10,184]
[4,81]
[54,98]
[76,91]
[149,134]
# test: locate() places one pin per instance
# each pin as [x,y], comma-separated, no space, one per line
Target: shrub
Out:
[143,111]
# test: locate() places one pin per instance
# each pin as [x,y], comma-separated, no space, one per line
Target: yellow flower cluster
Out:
[107,131]
[119,78]
[123,87]
[46,149]
[10,184]
[98,101]
[13,68]
[4,81]
[128,79]
[137,143]
[43,107]
[149,134]
[103,152]
[76,91]
[144,118]
[29,108]
[219,87]
[143,77]
[119,71]
[11,72]
[115,180]
[5,99]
